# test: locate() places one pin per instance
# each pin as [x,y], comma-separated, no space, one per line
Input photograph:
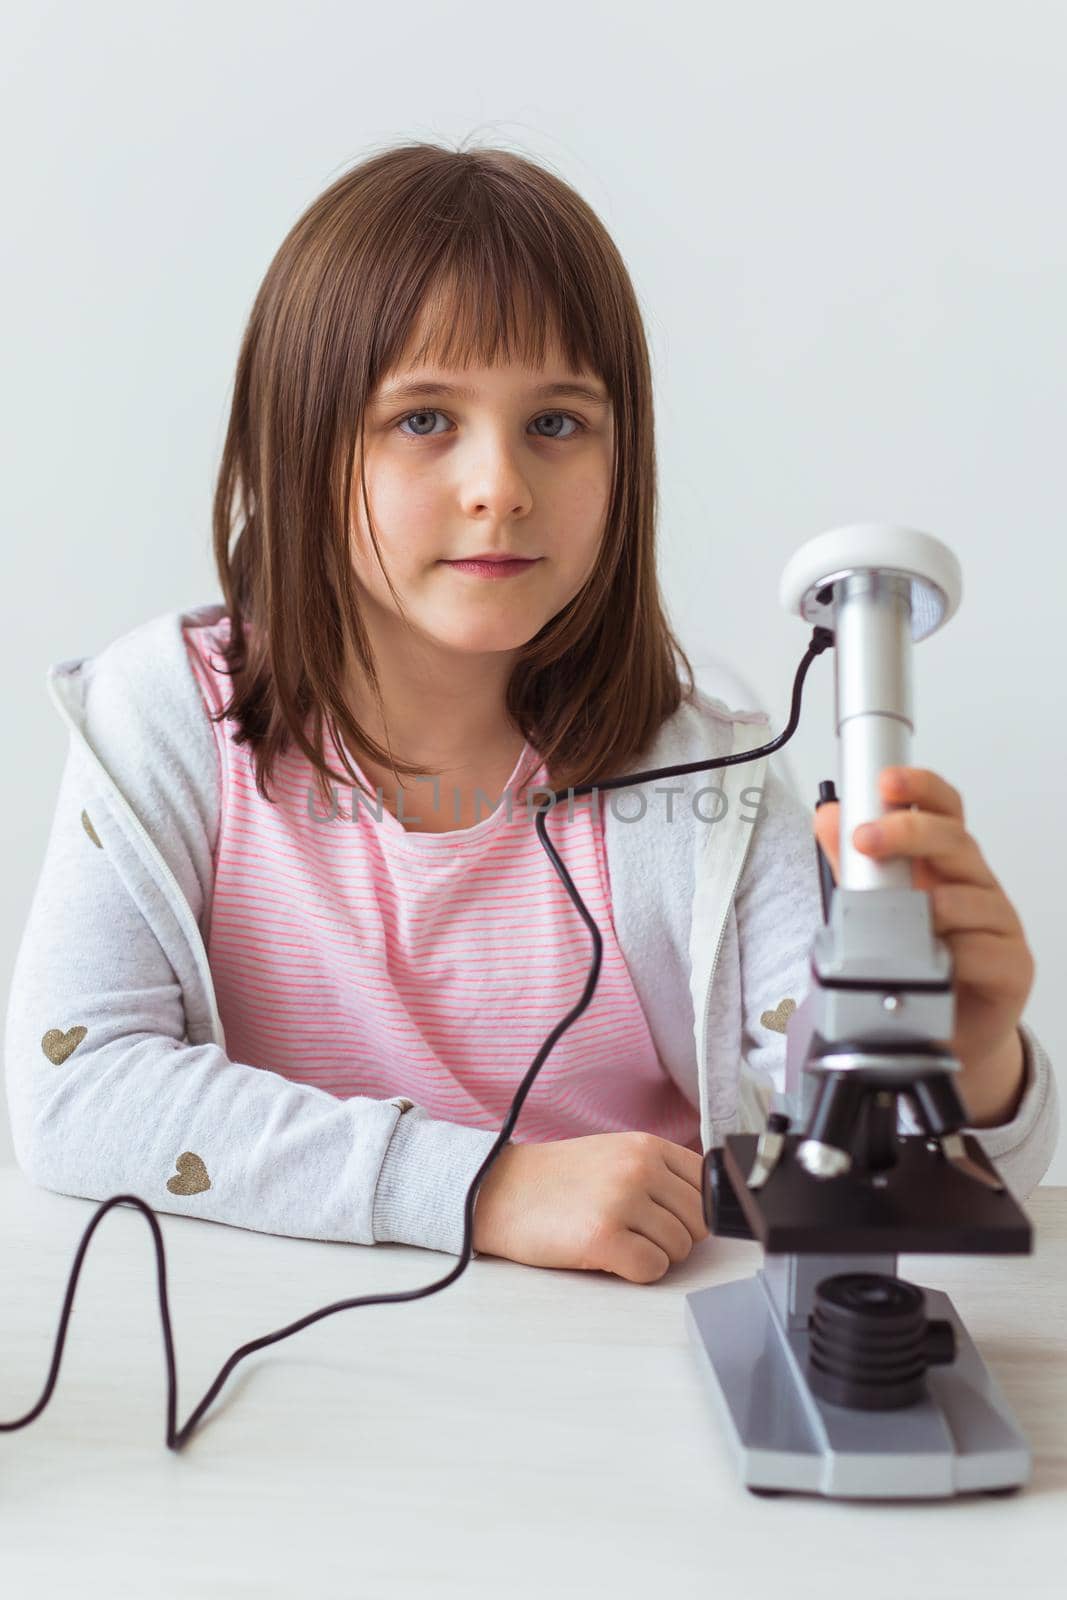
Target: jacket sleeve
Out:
[107,1095]
[779,907]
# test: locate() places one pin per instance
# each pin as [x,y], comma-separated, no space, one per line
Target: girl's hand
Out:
[993,969]
[627,1203]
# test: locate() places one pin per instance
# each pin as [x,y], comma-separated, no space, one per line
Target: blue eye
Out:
[579,427]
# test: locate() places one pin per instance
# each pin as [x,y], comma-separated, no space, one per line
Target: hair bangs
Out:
[493,307]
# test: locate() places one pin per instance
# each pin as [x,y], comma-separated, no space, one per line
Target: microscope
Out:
[830,1374]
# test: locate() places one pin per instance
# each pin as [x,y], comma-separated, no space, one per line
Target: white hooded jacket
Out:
[116,1068]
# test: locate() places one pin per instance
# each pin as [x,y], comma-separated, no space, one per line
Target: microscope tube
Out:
[872,689]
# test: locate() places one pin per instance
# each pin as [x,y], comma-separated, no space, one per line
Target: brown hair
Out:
[513,252]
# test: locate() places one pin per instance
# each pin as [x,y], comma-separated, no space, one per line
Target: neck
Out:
[443,708]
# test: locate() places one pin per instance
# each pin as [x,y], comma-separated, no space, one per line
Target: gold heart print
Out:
[191,1177]
[58,1045]
[90,830]
[778,1018]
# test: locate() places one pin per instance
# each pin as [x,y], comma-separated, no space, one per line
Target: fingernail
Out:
[868,836]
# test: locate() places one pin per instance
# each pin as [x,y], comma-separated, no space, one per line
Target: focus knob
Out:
[722,1213]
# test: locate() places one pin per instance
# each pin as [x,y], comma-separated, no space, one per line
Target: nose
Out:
[493,482]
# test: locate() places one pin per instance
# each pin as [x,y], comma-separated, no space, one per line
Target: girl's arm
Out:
[107,1095]
[779,908]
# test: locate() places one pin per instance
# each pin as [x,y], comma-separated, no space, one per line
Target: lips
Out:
[479,567]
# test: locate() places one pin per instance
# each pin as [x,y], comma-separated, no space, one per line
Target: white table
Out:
[523,1432]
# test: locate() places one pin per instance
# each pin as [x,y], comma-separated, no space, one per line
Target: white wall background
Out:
[845,223]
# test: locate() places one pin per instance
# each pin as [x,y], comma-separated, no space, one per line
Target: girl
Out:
[294,942]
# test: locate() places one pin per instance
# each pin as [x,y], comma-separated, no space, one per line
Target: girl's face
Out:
[512,466]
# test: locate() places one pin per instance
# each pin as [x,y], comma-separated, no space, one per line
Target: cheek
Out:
[581,518]
[403,505]
[407,521]
[586,495]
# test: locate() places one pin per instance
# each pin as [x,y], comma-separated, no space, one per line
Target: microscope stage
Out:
[925,1206]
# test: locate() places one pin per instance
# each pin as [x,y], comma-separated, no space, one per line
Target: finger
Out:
[687,1204]
[918,786]
[660,1224]
[903,787]
[653,1262]
[963,908]
[686,1163]
[941,841]
[826,825]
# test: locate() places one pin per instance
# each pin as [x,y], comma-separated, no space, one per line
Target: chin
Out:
[482,641]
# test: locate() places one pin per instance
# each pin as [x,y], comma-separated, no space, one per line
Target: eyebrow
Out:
[416,387]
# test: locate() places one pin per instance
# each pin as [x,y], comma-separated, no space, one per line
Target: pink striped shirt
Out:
[370,958]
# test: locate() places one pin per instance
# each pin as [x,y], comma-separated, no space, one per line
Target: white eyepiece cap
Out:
[806,585]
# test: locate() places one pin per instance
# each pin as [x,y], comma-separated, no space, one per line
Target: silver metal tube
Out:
[873,711]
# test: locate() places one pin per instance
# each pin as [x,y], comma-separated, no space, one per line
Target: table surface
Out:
[523,1432]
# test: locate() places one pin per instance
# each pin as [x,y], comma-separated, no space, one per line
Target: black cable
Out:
[822,638]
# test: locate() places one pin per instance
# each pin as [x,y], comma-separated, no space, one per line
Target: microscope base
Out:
[961,1438]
